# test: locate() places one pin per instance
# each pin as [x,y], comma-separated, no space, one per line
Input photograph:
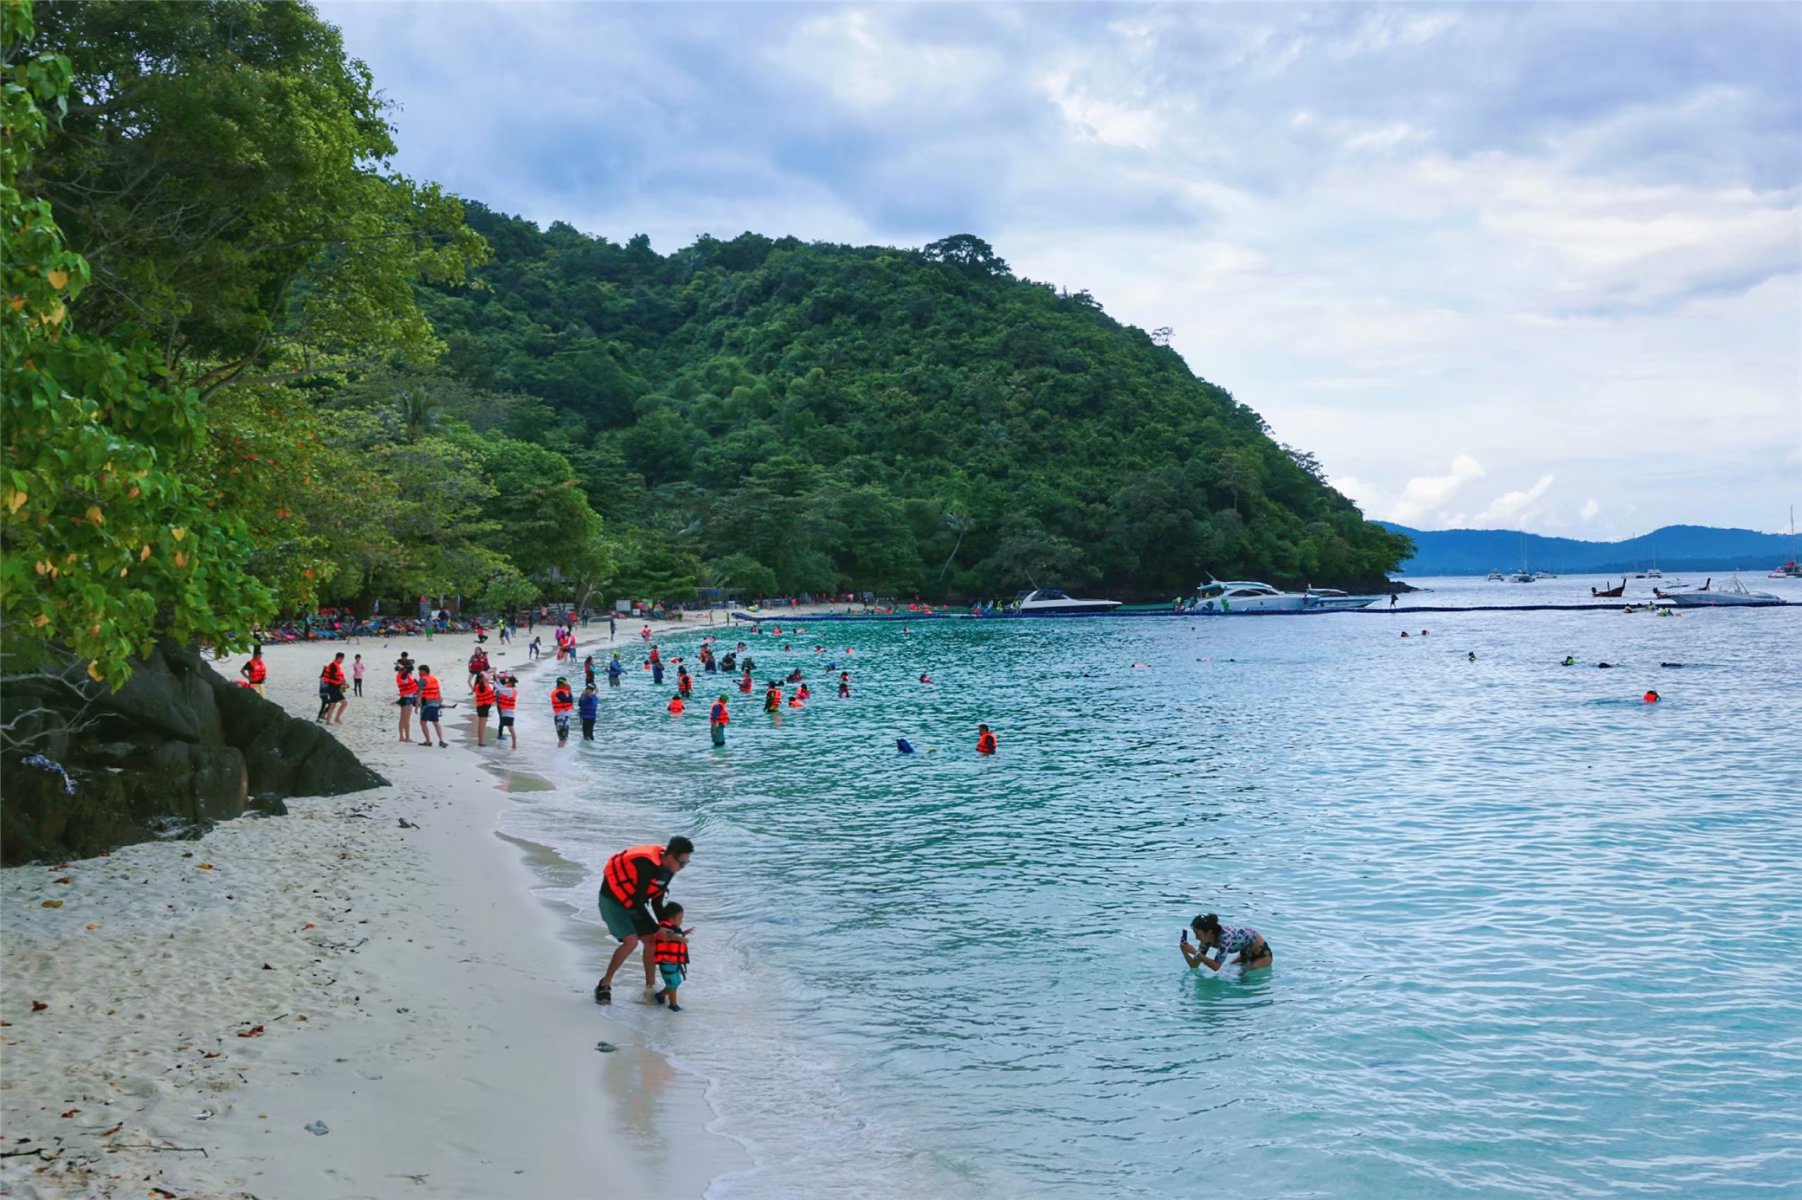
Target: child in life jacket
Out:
[670,953]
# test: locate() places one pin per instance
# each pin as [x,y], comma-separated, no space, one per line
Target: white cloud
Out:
[1427,493]
[1513,507]
[1590,509]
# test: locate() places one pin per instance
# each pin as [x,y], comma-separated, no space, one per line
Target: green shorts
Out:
[621,922]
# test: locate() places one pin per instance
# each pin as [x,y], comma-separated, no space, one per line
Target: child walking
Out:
[670,953]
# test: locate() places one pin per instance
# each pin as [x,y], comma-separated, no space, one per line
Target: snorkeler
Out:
[1248,944]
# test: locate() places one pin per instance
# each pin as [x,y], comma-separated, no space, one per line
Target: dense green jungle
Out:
[250,368]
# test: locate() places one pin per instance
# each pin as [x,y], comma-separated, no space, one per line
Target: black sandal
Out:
[603,994]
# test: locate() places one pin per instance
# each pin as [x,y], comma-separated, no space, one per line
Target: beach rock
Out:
[176,749]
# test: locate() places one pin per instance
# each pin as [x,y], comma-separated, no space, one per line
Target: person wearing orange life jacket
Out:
[669,950]
[256,671]
[431,701]
[331,691]
[985,740]
[506,699]
[484,697]
[563,702]
[717,720]
[408,687]
[772,698]
[677,706]
[685,683]
[744,683]
[633,885]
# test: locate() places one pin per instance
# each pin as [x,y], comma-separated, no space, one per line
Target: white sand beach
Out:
[329,1004]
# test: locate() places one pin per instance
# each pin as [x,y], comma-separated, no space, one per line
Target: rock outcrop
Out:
[174,750]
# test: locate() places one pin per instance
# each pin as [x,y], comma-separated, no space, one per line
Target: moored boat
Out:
[1050,602]
[1732,594]
[1245,596]
[1613,593]
[1334,600]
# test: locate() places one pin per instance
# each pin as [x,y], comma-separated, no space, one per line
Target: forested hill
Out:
[784,416]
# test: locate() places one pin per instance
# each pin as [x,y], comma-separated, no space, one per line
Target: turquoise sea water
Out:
[1532,936]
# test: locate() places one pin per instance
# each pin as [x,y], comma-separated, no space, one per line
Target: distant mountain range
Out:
[1673,548]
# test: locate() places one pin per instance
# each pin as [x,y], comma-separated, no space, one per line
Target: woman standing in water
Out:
[1248,944]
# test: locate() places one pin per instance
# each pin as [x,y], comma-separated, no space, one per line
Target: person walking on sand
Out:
[1248,944]
[331,691]
[431,702]
[633,886]
[669,950]
[408,687]
[356,676]
[717,719]
[484,697]
[588,708]
[563,701]
[255,671]
[506,699]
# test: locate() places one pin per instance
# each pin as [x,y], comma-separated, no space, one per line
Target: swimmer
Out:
[1671,666]
[676,705]
[1472,656]
[1404,633]
[903,746]
[924,678]
[1649,698]
[1605,666]
[1248,944]
[985,740]
[1570,660]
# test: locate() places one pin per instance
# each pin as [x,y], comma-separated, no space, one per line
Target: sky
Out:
[1496,265]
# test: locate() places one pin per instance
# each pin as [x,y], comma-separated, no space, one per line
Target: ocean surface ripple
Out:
[1532,937]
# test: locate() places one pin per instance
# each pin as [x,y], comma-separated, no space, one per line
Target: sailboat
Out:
[1793,568]
[1523,575]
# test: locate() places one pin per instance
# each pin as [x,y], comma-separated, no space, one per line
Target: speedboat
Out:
[1732,594]
[1495,577]
[1543,575]
[1524,576]
[1245,596]
[1334,600]
[1049,602]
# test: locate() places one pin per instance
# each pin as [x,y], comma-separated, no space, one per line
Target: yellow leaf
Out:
[122,571]
[181,559]
[53,904]
[41,621]
[43,567]
[17,500]
[59,280]
[94,673]
[144,553]
[57,314]
[95,515]
[178,533]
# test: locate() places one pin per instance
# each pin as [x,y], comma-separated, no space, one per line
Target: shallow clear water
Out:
[1532,936]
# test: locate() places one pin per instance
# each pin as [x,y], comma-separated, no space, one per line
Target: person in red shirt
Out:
[408,687]
[256,671]
[484,697]
[331,692]
[431,701]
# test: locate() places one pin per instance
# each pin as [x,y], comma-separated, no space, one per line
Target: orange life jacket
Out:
[772,700]
[506,696]
[259,670]
[676,707]
[985,744]
[621,879]
[686,684]
[333,673]
[669,950]
[718,715]
[744,685]
[562,700]
[428,689]
[484,693]
[406,684]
